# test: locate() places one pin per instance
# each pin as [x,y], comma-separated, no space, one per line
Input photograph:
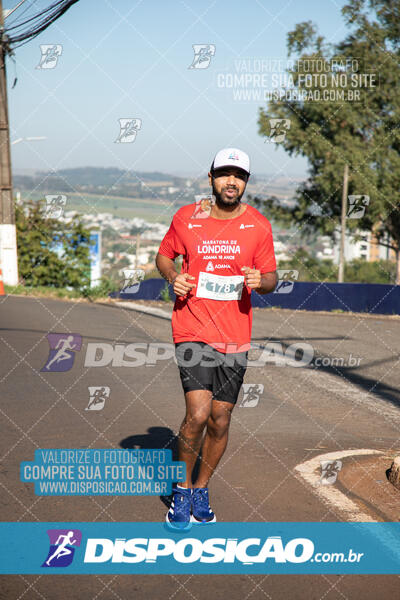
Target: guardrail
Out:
[373,298]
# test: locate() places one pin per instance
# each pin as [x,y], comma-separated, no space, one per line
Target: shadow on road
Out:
[297,339]
[158,438]
[352,374]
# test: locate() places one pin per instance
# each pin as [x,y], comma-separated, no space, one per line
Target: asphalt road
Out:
[304,411]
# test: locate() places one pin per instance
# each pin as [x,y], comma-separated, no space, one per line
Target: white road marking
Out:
[311,472]
[149,310]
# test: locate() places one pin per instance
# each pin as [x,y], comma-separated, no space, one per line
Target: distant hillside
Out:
[65,180]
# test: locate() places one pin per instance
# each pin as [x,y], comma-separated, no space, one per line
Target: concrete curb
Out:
[329,494]
[156,312]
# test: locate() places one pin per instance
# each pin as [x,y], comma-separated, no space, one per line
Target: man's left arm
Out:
[262,283]
[262,276]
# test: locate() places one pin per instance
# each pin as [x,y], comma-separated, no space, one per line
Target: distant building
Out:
[379,252]
[366,248]
[281,251]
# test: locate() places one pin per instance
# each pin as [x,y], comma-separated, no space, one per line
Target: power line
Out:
[38,23]
[18,32]
[39,14]
[10,12]
[16,17]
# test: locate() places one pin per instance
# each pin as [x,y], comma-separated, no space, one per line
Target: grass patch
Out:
[100,292]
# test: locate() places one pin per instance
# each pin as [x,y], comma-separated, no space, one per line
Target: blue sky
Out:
[130,59]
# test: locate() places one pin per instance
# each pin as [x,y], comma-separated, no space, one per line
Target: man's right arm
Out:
[166,267]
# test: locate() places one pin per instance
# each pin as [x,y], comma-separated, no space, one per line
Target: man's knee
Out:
[197,420]
[198,409]
[218,424]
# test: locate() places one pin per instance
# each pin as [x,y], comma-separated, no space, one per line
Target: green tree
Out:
[379,271]
[309,267]
[51,253]
[364,135]
[356,271]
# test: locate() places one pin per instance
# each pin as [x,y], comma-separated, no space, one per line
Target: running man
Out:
[225,257]
[62,549]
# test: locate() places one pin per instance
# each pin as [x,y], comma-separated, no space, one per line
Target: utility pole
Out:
[343,222]
[137,250]
[8,237]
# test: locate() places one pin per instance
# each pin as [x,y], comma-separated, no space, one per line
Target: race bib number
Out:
[219,287]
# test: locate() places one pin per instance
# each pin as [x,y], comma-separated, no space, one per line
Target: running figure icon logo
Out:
[251,394]
[98,396]
[50,55]
[286,279]
[62,351]
[356,207]
[128,129]
[55,204]
[202,55]
[62,547]
[132,280]
[279,128]
[203,205]
[329,471]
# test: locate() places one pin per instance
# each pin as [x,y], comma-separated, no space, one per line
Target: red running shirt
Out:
[214,251]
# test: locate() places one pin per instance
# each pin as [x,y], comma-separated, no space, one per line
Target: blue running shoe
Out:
[178,516]
[201,511]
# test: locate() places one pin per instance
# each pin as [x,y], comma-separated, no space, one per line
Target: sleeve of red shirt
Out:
[171,246]
[264,259]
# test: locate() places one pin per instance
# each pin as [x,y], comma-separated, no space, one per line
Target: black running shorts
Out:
[201,367]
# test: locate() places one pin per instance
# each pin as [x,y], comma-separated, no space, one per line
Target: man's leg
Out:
[198,409]
[215,440]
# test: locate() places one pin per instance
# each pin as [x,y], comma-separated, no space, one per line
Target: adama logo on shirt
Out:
[209,266]
[242,226]
[191,225]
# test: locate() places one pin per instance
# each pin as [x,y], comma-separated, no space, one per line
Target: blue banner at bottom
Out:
[153,548]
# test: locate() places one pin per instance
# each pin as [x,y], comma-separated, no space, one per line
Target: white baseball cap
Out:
[231,157]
